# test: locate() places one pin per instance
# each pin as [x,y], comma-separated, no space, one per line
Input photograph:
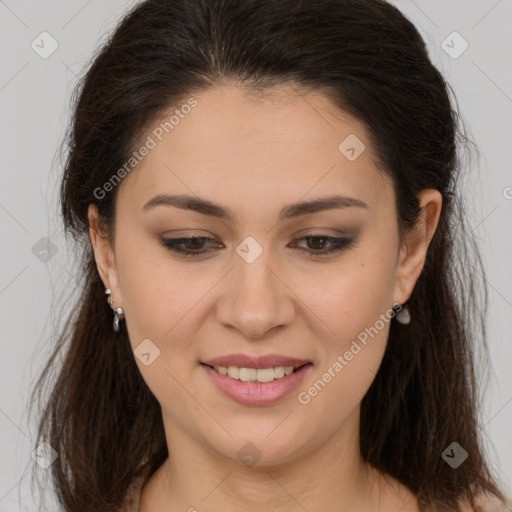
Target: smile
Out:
[246,388]
[255,374]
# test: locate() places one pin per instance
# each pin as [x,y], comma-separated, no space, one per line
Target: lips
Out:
[258,393]
[266,361]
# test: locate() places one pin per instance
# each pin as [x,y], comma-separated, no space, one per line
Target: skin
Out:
[254,155]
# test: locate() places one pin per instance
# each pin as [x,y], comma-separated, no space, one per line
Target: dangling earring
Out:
[403,316]
[118,312]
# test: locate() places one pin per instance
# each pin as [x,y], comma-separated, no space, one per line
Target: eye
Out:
[337,244]
[196,243]
[194,246]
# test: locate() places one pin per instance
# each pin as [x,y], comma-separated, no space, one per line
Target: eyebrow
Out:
[206,207]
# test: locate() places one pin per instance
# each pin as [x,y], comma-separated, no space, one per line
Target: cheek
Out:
[353,303]
[164,300]
[154,294]
[350,295]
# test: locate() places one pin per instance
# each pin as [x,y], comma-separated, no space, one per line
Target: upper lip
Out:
[266,361]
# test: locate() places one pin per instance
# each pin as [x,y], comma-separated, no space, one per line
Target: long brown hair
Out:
[370,60]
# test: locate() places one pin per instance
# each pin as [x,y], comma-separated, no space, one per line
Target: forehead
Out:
[240,148]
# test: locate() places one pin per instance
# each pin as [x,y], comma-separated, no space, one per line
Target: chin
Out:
[259,448]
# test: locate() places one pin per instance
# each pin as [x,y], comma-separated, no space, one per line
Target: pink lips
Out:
[257,393]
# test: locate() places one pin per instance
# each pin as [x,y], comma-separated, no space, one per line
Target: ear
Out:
[104,255]
[413,251]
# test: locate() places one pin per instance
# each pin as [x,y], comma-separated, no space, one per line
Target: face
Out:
[262,281]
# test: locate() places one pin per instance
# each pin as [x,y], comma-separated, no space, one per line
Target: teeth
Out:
[234,372]
[253,374]
[279,371]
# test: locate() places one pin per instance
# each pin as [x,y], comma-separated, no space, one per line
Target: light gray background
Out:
[34,110]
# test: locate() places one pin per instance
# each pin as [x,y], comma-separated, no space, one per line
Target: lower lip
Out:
[257,393]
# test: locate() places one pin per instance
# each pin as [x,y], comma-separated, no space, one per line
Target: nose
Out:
[256,298]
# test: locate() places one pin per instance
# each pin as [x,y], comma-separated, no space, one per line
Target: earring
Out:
[404,315]
[118,312]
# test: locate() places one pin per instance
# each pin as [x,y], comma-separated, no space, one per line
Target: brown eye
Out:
[194,244]
[316,242]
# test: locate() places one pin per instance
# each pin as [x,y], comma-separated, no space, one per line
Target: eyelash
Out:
[339,244]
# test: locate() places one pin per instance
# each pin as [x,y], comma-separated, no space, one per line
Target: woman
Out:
[266,194]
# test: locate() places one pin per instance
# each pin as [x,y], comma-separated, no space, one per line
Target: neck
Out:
[330,476]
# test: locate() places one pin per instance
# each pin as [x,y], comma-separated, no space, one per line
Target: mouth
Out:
[262,375]
[262,386]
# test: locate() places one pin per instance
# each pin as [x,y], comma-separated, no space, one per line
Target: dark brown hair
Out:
[370,60]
